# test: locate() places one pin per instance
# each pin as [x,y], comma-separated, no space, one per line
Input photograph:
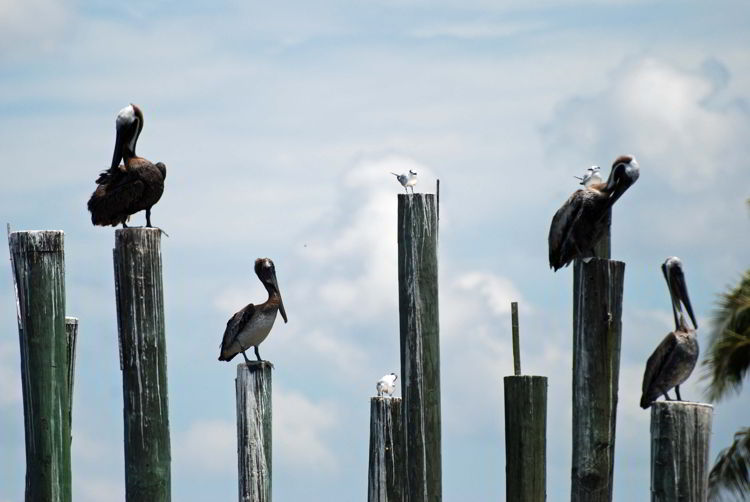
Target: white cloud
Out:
[679,120]
[299,428]
[208,446]
[498,292]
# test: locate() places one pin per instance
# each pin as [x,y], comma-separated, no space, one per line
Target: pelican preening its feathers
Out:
[407,180]
[581,221]
[251,325]
[674,359]
[135,185]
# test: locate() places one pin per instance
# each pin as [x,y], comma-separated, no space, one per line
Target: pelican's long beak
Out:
[282,310]
[117,156]
[682,294]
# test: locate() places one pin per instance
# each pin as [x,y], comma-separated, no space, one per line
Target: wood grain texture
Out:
[597,333]
[254,417]
[680,440]
[420,345]
[140,320]
[386,475]
[525,438]
[38,262]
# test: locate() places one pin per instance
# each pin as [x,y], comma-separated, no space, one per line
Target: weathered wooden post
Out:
[71,337]
[143,361]
[597,328]
[525,430]
[38,262]
[385,482]
[420,345]
[253,387]
[680,437]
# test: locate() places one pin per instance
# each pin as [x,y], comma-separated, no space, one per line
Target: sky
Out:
[279,123]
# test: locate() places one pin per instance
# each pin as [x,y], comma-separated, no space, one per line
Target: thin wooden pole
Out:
[525,438]
[420,345]
[140,316]
[71,337]
[680,438]
[516,341]
[253,387]
[386,470]
[38,262]
[597,328]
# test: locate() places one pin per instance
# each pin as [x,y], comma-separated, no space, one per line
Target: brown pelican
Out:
[251,325]
[674,359]
[581,221]
[135,185]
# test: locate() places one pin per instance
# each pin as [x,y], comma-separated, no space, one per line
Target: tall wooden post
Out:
[525,429]
[253,386]
[143,360]
[597,328]
[386,469]
[420,345]
[680,437]
[38,262]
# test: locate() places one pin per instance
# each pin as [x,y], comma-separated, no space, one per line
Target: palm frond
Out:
[728,355]
[729,478]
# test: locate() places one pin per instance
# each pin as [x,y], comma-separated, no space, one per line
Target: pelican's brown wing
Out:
[654,367]
[561,248]
[234,326]
[112,201]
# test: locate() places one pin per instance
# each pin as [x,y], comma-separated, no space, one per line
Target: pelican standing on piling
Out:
[579,224]
[251,325]
[135,185]
[407,180]
[674,359]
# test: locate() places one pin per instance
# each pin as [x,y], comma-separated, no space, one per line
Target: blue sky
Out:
[279,124]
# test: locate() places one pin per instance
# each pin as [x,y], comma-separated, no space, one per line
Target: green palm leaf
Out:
[730,476]
[728,356]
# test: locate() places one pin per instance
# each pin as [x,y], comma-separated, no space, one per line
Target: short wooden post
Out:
[386,472]
[253,387]
[38,262]
[420,345]
[597,328]
[140,316]
[680,437]
[525,429]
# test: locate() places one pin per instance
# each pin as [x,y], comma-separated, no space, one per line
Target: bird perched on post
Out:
[407,180]
[135,185]
[674,359]
[387,384]
[251,325]
[591,176]
[581,221]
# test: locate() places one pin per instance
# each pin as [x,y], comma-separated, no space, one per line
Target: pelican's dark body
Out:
[675,357]
[251,325]
[135,185]
[582,220]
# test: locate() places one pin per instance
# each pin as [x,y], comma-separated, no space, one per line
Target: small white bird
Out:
[592,176]
[407,180]
[387,384]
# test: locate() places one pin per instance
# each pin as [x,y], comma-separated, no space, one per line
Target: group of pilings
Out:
[48,341]
[405,433]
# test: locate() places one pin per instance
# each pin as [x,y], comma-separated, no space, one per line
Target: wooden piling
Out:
[597,328]
[386,469]
[253,387]
[525,438]
[525,429]
[71,337]
[420,345]
[680,437]
[143,360]
[38,263]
